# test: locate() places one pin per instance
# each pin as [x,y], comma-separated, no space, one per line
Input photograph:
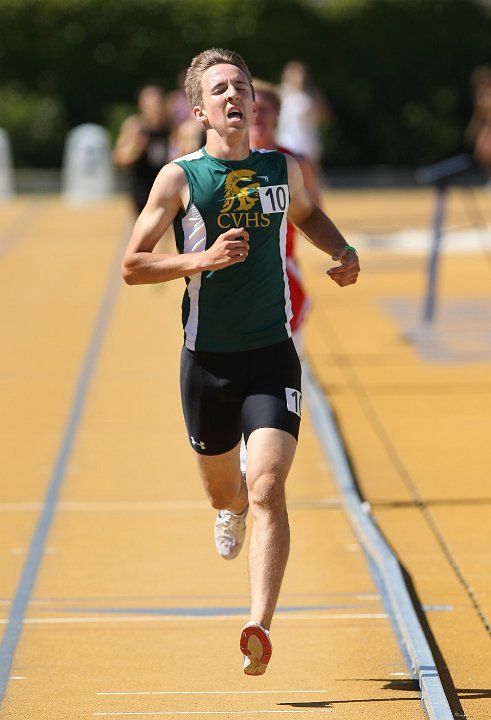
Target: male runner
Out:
[262,136]
[240,373]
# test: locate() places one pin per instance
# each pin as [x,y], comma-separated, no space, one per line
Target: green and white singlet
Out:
[246,305]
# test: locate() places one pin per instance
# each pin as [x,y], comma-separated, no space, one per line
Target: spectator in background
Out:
[186,138]
[303,112]
[187,133]
[143,143]
[478,133]
[179,108]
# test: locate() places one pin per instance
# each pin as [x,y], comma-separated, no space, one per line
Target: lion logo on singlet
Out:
[240,193]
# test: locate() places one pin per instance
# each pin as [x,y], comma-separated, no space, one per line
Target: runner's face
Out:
[227,98]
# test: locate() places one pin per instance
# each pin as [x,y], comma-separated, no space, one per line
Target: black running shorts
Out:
[225,395]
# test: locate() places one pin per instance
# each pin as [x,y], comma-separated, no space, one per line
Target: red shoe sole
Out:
[258,632]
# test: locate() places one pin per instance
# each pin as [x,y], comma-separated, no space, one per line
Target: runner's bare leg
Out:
[270,453]
[222,480]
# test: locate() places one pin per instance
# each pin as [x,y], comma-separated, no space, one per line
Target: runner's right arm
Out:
[141,265]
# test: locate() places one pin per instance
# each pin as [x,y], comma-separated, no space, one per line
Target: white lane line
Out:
[21,507]
[148,505]
[186,618]
[87,505]
[115,599]
[211,692]
[215,712]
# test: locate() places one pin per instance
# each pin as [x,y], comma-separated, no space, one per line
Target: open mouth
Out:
[234,115]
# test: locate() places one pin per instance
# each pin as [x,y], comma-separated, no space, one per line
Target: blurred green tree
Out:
[395,71]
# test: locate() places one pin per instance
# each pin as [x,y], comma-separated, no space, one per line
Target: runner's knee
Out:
[267,493]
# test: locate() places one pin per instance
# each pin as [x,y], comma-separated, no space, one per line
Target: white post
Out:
[87,173]
[6,172]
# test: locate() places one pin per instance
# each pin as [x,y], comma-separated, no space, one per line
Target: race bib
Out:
[294,401]
[274,198]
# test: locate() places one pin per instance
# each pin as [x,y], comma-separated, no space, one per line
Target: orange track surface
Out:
[131,613]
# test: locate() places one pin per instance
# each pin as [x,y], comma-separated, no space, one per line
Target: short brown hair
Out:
[205,60]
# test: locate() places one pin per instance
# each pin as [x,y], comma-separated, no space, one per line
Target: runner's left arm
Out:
[319,228]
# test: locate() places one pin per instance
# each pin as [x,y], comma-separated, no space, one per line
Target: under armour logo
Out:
[199,443]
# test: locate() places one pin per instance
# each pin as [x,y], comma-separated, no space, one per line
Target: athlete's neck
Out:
[263,143]
[226,148]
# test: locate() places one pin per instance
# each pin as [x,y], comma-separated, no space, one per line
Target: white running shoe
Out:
[256,647]
[230,532]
